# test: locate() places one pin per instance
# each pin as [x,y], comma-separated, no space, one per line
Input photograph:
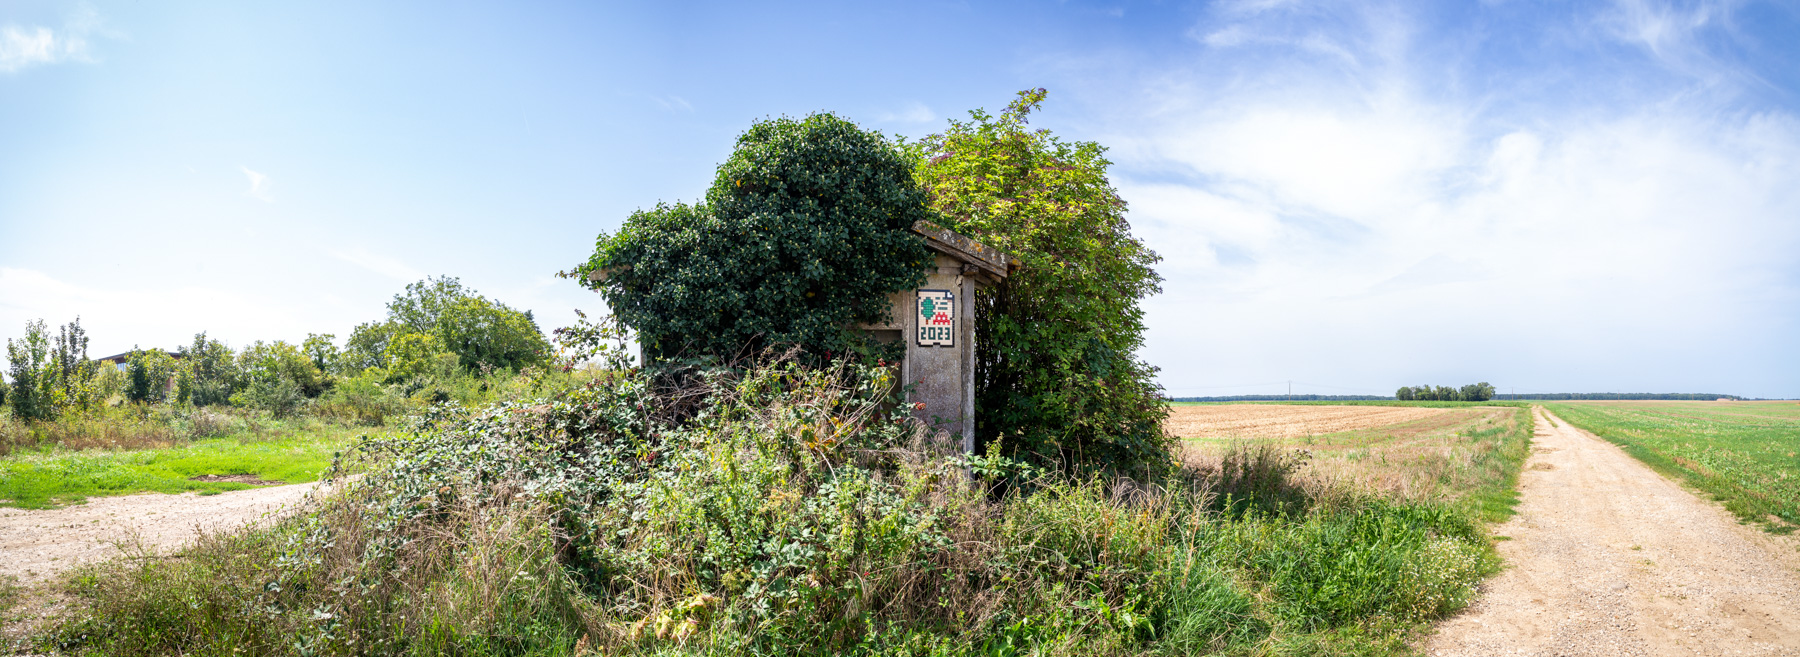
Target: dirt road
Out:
[36,545]
[1609,558]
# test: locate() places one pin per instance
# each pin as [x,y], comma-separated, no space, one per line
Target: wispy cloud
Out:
[673,103]
[23,47]
[380,264]
[1373,221]
[912,112]
[259,185]
[1675,35]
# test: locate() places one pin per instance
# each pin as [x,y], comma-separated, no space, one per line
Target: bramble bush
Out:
[771,510]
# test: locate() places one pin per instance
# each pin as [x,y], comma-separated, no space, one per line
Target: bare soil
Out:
[1608,558]
[36,545]
[1284,420]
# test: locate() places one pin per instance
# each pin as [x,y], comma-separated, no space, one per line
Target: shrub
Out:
[772,510]
[803,233]
[1057,375]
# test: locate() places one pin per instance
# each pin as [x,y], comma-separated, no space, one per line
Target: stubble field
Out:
[1465,455]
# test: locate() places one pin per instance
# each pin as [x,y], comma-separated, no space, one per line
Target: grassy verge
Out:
[785,511]
[49,477]
[1744,454]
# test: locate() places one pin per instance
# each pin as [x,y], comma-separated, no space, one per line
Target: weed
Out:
[780,510]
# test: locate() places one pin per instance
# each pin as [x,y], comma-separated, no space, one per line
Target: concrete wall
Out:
[942,377]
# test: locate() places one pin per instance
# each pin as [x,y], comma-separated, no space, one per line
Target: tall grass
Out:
[780,510]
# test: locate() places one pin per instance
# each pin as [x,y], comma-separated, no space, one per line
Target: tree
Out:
[803,234]
[477,329]
[1404,394]
[366,346]
[1476,392]
[267,364]
[415,355]
[150,371]
[71,371]
[27,362]
[1057,375]
[208,374]
[322,350]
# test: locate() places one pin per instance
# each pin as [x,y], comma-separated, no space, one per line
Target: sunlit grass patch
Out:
[48,477]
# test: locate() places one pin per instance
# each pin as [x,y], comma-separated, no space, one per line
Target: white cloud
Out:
[380,264]
[913,112]
[1366,226]
[259,185]
[23,47]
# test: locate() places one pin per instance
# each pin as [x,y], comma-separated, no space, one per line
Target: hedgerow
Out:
[772,510]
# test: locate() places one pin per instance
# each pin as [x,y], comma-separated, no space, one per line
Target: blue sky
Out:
[1351,196]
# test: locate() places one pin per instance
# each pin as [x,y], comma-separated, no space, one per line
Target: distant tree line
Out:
[1475,392]
[1555,396]
[1240,398]
[436,334]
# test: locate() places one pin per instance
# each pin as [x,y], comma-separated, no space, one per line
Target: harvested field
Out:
[1287,421]
[1408,452]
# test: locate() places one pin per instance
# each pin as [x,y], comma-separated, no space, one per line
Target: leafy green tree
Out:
[28,360]
[477,329]
[71,371]
[322,349]
[415,355]
[1476,392]
[1057,375]
[150,373]
[265,364]
[367,346]
[208,374]
[803,233]
[1404,394]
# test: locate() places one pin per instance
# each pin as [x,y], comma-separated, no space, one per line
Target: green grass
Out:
[51,477]
[1745,454]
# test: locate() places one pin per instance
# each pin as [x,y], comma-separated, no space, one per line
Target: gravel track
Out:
[1607,557]
[36,545]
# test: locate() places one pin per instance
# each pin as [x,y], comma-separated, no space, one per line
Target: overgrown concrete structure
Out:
[937,323]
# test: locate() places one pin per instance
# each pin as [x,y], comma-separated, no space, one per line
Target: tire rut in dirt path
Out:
[37,545]
[1607,557]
